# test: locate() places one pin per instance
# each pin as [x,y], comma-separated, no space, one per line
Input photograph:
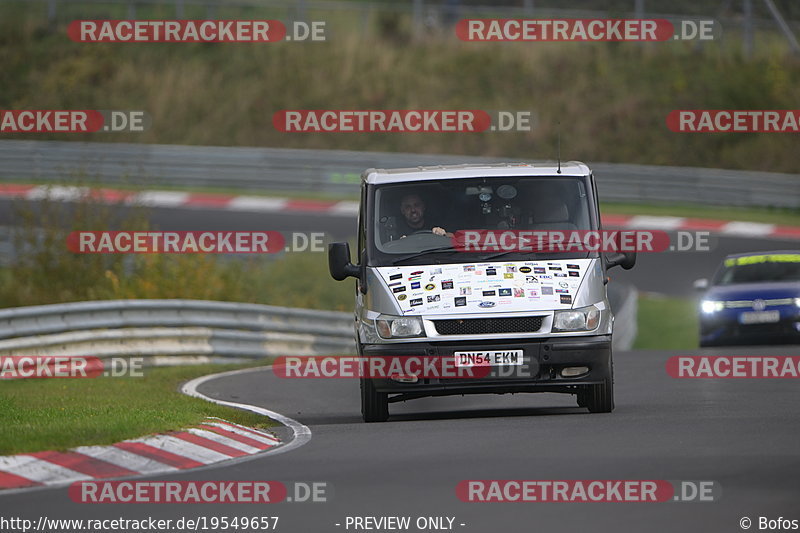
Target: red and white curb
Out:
[719,227]
[256,204]
[212,442]
[262,204]
[215,442]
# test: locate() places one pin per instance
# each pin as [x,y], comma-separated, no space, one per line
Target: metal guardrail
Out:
[173,329]
[338,171]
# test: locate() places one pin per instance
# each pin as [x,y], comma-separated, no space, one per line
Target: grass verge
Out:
[666,323]
[56,414]
[614,96]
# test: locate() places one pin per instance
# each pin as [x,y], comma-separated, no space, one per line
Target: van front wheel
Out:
[374,404]
[600,398]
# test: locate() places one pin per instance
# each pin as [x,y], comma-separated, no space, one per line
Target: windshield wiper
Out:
[426,252]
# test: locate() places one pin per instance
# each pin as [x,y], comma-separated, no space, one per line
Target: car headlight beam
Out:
[711,306]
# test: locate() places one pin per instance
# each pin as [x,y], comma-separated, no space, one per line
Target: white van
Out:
[540,321]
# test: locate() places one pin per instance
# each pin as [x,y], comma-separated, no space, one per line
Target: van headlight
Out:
[711,306]
[583,319]
[390,327]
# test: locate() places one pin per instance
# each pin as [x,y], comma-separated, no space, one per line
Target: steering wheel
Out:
[419,231]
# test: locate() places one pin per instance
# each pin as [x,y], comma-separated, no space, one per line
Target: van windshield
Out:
[416,221]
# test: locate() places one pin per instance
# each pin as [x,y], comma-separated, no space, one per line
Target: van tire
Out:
[581,397]
[600,398]
[374,404]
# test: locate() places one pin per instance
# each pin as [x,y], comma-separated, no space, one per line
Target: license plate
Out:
[759,317]
[489,358]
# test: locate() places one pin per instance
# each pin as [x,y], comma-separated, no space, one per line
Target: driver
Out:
[412,206]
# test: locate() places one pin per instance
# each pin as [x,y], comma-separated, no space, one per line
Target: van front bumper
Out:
[543,361]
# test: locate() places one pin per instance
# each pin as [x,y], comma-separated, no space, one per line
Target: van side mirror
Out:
[339,263]
[700,284]
[624,259]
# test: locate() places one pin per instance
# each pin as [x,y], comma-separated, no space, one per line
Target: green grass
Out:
[45,272]
[614,97]
[56,414]
[293,280]
[666,323]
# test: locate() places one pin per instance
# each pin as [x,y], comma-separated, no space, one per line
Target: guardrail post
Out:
[747,31]
[417,21]
[527,5]
[51,12]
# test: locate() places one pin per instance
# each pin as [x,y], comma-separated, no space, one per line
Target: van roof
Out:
[495,170]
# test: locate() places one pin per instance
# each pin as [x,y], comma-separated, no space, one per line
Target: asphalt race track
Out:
[741,434]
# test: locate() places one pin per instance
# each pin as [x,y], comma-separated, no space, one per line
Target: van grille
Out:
[478,326]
